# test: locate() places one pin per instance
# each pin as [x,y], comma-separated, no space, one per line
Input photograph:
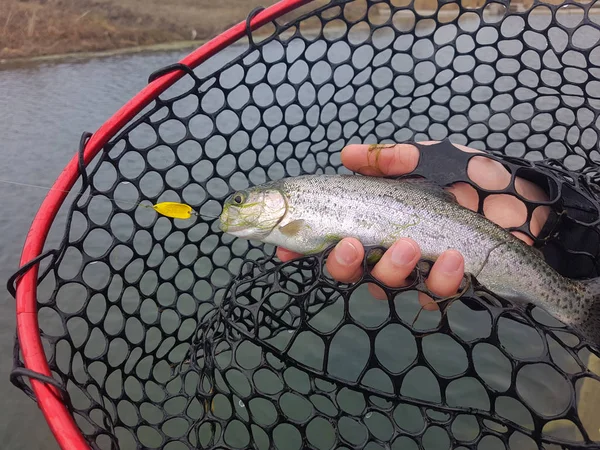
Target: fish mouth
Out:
[231,229]
[226,219]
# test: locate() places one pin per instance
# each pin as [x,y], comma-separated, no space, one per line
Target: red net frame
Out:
[59,419]
[54,398]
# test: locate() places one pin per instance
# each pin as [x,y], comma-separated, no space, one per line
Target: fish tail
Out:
[589,323]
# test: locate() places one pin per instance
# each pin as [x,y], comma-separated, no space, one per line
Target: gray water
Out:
[43,111]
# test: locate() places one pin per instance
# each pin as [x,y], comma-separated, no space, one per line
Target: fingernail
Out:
[403,252]
[450,262]
[345,253]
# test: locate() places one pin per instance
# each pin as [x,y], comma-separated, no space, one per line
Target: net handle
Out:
[60,421]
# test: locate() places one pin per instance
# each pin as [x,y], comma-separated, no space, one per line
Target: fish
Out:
[308,213]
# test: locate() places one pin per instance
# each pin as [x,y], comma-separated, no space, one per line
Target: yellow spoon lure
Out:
[174,210]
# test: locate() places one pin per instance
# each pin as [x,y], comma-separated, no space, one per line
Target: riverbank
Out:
[60,29]
[41,28]
[83,56]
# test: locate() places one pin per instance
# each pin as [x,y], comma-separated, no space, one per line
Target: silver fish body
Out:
[306,214]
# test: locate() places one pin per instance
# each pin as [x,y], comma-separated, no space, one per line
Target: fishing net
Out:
[166,333]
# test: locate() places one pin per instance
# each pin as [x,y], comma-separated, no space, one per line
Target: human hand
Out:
[345,261]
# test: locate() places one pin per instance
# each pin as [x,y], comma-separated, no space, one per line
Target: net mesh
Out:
[169,334]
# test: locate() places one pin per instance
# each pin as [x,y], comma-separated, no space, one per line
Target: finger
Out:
[395,266]
[380,160]
[344,263]
[505,210]
[508,211]
[466,195]
[446,274]
[532,191]
[286,255]
[488,173]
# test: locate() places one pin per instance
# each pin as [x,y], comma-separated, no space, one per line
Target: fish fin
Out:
[292,228]
[431,187]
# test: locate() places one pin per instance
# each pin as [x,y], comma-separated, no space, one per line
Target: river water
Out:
[43,111]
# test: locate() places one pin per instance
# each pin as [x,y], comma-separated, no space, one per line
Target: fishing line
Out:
[174,210]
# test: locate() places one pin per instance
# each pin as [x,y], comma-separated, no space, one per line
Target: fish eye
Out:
[238,198]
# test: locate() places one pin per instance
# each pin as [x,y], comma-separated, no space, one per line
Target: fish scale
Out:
[306,214]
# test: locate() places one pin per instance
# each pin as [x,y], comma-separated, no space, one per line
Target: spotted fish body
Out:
[306,214]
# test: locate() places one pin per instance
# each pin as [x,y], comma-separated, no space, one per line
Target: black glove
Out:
[570,238]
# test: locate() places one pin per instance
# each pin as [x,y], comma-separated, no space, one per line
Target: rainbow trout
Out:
[308,213]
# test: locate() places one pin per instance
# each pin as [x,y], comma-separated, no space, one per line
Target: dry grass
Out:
[44,27]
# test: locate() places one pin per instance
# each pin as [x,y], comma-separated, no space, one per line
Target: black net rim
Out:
[59,419]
